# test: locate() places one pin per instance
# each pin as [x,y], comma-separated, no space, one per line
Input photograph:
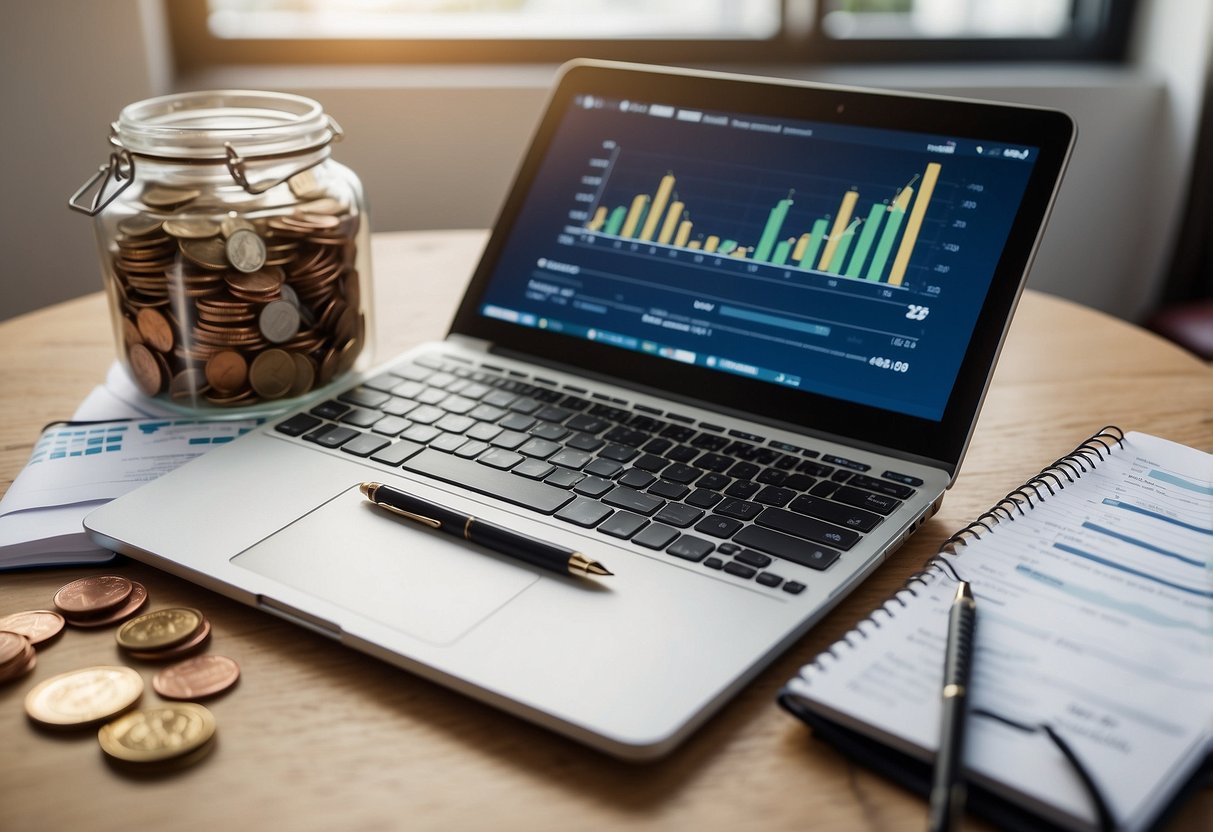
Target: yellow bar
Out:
[913,225]
[840,225]
[633,217]
[902,200]
[709,245]
[671,222]
[684,233]
[659,201]
[599,218]
[739,253]
[801,245]
[694,244]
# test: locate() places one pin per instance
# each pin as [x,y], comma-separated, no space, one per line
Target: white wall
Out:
[437,146]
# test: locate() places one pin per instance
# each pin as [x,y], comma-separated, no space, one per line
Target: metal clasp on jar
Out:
[119,169]
[237,163]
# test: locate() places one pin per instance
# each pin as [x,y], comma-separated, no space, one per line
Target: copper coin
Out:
[12,646]
[134,603]
[209,254]
[305,375]
[168,197]
[93,596]
[130,332]
[138,225]
[196,678]
[20,667]
[184,649]
[272,373]
[245,250]
[227,371]
[191,228]
[36,625]
[146,369]
[279,321]
[155,329]
[257,282]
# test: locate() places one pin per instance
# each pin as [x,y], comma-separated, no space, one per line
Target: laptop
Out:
[729,338]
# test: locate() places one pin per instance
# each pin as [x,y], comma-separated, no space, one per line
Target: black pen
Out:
[947,786]
[505,541]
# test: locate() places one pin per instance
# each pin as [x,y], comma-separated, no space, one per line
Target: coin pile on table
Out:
[100,601]
[20,633]
[229,311]
[163,635]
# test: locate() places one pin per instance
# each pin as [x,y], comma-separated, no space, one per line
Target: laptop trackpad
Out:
[429,585]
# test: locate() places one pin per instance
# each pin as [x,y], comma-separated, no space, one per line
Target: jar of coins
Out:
[235,251]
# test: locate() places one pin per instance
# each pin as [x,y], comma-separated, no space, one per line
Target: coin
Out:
[183,649]
[12,646]
[21,659]
[305,185]
[93,596]
[272,373]
[230,225]
[80,697]
[279,321]
[152,735]
[138,225]
[145,369]
[227,371]
[169,197]
[194,228]
[305,375]
[265,281]
[196,678]
[134,603]
[209,254]
[36,625]
[245,250]
[155,329]
[160,629]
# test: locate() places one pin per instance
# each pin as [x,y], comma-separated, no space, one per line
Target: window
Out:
[212,32]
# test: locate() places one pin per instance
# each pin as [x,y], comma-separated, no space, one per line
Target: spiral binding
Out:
[1051,480]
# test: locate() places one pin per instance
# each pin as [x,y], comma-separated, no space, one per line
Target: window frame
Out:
[801,40]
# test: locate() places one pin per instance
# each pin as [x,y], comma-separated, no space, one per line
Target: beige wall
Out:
[436,147]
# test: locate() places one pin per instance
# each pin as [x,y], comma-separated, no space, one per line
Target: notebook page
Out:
[1095,615]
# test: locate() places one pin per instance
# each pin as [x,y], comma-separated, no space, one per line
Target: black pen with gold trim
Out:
[523,547]
[948,785]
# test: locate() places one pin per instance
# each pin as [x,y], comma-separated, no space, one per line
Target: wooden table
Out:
[316,736]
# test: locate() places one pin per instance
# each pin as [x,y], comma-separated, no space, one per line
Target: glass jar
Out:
[235,252]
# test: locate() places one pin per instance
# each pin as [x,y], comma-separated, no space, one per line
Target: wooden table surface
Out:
[316,736]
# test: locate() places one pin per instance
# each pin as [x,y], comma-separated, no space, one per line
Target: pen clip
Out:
[425,521]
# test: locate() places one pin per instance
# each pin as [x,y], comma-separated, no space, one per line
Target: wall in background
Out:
[437,146]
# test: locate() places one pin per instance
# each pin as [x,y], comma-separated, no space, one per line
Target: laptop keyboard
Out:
[726,499]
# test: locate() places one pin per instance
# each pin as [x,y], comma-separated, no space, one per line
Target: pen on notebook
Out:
[947,786]
[505,541]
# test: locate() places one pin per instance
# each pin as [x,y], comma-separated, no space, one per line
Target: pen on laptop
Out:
[505,541]
[947,786]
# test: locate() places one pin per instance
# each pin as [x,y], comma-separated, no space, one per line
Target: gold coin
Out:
[152,735]
[159,629]
[272,373]
[168,197]
[80,697]
[191,229]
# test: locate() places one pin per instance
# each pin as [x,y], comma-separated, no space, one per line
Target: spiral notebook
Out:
[1092,694]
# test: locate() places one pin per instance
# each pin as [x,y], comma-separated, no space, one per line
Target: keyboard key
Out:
[714,563]
[679,433]
[814,469]
[331,436]
[593,486]
[517,421]
[483,432]
[606,468]
[655,536]
[841,476]
[738,509]
[563,478]
[397,452]
[718,526]
[789,548]
[364,397]
[769,579]
[739,569]
[458,405]
[714,482]
[681,453]
[677,514]
[799,482]
[744,470]
[743,489]
[635,478]
[426,415]
[689,547]
[824,489]
[422,434]
[329,410]
[486,413]
[714,462]
[657,446]
[728,548]
[549,430]
[889,489]
[703,498]
[574,403]
[585,442]
[710,442]
[904,479]
[617,452]
[430,396]
[532,469]
[397,407]
[408,389]
[650,462]
[297,424]
[552,413]
[585,423]
[390,425]
[452,423]
[771,476]
[678,472]
[624,497]
[571,459]
[793,587]
[364,445]
[500,458]
[585,513]
[539,448]
[846,463]
[526,405]
[772,495]
[669,490]
[626,436]
[485,480]
[360,417]
[808,528]
[508,439]
[448,442]
[623,524]
[843,515]
[751,558]
[471,449]
[383,381]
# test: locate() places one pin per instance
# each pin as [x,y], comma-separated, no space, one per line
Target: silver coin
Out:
[279,321]
[245,250]
[289,295]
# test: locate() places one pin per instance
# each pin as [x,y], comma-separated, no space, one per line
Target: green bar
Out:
[865,240]
[819,237]
[844,245]
[726,247]
[771,232]
[615,221]
[644,213]
[876,270]
[781,253]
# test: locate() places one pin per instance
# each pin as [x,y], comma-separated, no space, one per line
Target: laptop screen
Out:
[846,261]
[817,255]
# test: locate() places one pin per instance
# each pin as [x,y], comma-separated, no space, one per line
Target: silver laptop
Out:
[729,338]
